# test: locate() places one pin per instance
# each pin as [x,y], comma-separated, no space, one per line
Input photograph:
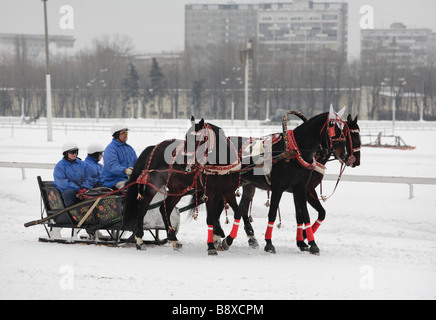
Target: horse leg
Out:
[276,195]
[237,218]
[312,198]
[165,210]
[244,207]
[210,220]
[300,200]
[218,231]
[142,211]
[300,230]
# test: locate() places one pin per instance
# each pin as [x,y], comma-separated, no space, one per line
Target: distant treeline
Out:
[110,80]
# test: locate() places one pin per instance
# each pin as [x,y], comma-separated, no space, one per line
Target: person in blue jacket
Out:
[94,168]
[70,175]
[119,158]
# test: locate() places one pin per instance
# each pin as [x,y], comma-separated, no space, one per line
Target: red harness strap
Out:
[292,146]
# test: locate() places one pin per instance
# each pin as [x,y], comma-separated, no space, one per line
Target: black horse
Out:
[293,175]
[352,159]
[322,156]
[159,168]
[216,157]
[175,167]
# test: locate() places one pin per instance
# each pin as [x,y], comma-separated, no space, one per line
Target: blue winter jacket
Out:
[95,171]
[117,157]
[71,175]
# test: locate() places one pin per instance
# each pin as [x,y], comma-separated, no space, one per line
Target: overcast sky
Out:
[158,25]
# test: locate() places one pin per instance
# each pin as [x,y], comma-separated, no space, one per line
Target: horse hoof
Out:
[212,252]
[227,242]
[252,243]
[302,245]
[177,246]
[140,247]
[217,240]
[314,249]
[270,248]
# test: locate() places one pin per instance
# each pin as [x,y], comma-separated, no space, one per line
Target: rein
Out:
[144,177]
[207,135]
[292,151]
[324,198]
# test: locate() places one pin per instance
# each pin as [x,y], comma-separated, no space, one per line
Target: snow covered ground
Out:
[375,242]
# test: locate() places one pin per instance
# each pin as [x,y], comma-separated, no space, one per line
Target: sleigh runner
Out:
[97,215]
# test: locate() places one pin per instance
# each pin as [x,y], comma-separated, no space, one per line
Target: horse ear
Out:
[341,112]
[192,120]
[332,113]
[349,118]
[201,123]
[355,119]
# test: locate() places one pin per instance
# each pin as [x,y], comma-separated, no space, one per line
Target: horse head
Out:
[196,142]
[335,134]
[353,144]
[202,142]
[209,144]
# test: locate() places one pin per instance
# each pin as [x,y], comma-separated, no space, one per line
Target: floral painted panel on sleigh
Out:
[108,209]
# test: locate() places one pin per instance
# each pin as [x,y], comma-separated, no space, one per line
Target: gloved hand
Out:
[129,171]
[81,193]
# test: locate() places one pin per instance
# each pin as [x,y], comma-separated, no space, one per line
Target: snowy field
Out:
[375,243]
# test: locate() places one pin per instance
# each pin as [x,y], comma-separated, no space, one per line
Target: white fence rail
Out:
[26,165]
[410,181]
[163,125]
[384,179]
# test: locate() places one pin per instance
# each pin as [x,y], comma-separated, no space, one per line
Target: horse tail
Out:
[131,211]
[193,203]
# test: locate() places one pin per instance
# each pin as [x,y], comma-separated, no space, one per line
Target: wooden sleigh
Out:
[100,218]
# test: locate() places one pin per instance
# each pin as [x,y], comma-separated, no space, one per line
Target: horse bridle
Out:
[331,137]
[208,135]
[351,157]
[205,133]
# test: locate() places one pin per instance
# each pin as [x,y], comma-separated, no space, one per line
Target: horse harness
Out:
[292,150]
[196,168]
[208,135]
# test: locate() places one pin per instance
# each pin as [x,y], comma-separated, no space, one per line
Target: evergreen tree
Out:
[197,91]
[157,88]
[130,88]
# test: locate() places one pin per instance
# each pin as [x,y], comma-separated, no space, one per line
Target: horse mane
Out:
[309,122]
[217,130]
[221,139]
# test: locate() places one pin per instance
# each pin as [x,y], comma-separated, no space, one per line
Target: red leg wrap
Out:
[309,232]
[209,234]
[300,232]
[269,229]
[235,228]
[316,225]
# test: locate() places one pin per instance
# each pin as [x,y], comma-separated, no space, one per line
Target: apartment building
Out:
[397,45]
[279,30]
[33,45]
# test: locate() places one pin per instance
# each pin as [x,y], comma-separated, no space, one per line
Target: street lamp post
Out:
[233,82]
[100,83]
[247,55]
[47,78]
[393,95]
